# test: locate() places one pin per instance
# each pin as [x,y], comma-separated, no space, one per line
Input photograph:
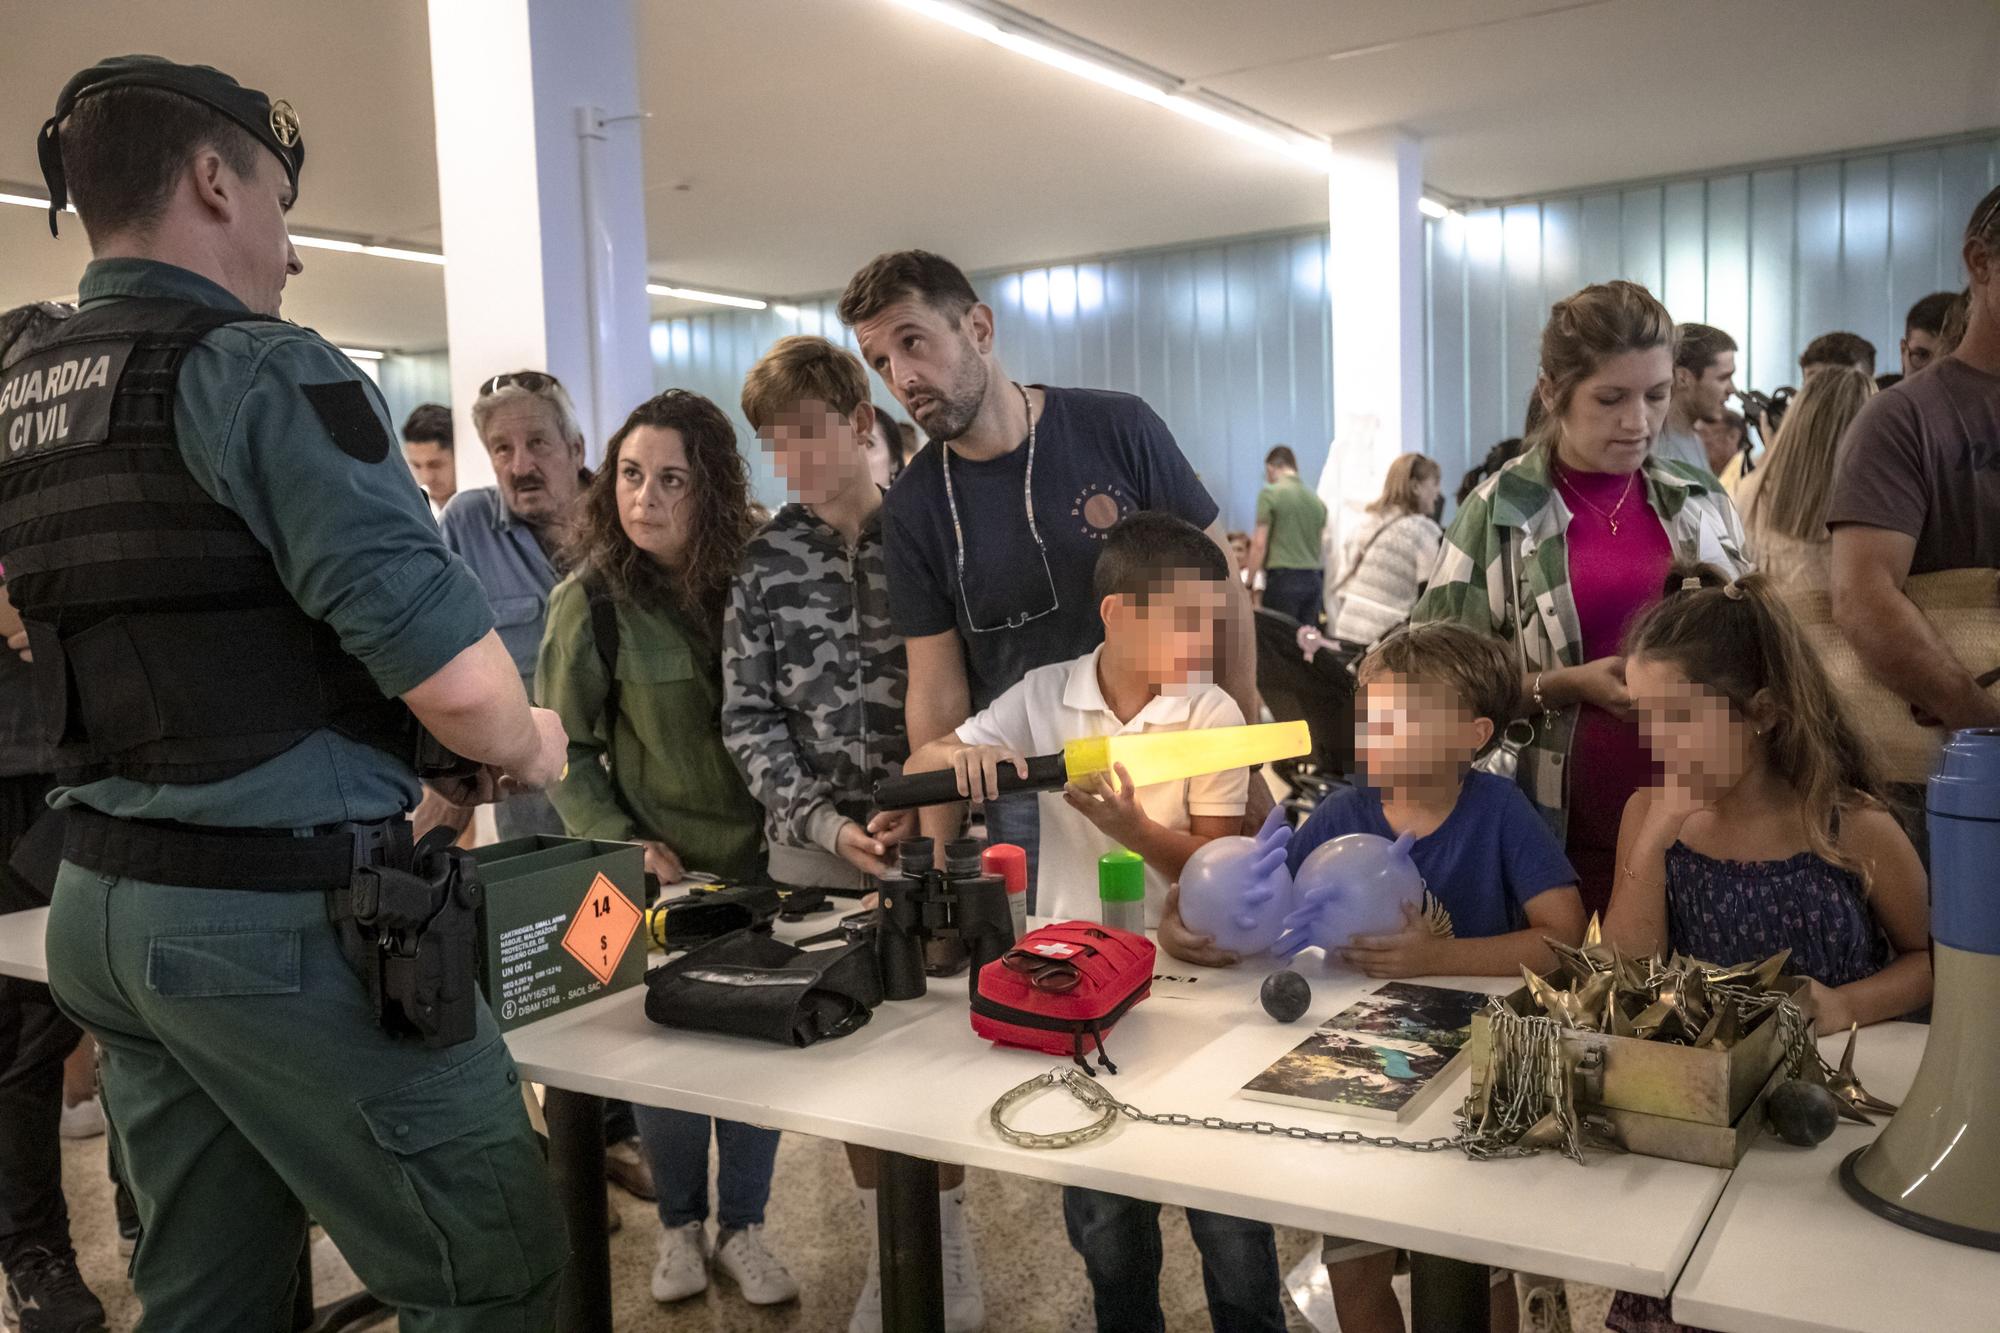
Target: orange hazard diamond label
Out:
[601,928]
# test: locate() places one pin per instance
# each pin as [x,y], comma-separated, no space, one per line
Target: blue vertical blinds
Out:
[1775,257]
[1228,342]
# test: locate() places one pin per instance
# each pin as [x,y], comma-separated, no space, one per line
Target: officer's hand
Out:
[18,642]
[550,759]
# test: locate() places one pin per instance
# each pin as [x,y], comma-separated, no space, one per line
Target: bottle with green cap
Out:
[1121,891]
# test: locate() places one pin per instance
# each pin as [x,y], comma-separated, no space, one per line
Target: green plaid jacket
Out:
[1520,508]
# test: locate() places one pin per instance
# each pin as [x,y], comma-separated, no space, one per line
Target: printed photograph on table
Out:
[1384,1057]
[1385,1078]
[1435,1015]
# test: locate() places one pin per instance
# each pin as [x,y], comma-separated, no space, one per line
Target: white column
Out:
[1375,281]
[543,205]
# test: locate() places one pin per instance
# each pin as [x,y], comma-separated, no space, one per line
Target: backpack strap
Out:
[604,634]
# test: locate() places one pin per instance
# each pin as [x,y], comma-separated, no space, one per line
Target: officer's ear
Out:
[218,190]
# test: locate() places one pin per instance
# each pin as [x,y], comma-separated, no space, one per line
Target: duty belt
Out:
[254,860]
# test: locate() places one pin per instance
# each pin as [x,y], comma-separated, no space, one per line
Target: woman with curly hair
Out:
[631,661]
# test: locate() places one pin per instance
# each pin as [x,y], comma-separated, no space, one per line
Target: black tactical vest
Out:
[166,648]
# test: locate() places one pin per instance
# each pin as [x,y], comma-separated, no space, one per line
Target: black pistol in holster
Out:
[412,935]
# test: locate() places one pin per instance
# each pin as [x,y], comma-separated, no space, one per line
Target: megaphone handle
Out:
[1045,773]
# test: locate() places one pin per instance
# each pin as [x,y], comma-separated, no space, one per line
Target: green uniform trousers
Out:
[249,1089]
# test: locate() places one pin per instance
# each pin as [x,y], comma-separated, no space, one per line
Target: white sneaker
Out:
[964,1307]
[868,1308]
[742,1258]
[85,1120]
[682,1269]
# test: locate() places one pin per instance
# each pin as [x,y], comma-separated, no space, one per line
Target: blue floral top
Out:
[1729,912]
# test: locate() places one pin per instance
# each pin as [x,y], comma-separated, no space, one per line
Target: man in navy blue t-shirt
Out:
[992,531]
[991,536]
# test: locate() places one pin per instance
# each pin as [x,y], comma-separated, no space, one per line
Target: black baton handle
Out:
[1045,773]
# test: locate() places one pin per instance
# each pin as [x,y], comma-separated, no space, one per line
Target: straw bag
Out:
[1963,607]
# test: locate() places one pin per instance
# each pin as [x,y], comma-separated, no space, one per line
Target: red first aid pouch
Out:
[1062,988]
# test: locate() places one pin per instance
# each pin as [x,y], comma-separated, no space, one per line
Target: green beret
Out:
[273,124]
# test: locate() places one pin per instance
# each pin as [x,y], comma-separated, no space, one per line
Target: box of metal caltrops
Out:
[560,924]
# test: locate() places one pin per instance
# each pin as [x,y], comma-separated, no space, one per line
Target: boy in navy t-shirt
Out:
[1432,698]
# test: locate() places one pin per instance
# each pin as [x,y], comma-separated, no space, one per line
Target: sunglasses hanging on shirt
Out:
[1013,620]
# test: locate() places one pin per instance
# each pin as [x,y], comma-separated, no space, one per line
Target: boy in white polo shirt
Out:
[1160,584]
[1160,593]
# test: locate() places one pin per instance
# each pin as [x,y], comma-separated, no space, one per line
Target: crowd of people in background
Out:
[945,604]
[1620,624]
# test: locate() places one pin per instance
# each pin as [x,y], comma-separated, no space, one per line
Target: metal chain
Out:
[1490,1129]
[1097,1097]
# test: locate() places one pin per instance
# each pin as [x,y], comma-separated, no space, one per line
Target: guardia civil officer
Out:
[240,611]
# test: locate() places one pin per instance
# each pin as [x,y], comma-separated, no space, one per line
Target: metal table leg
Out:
[912,1259]
[576,1162]
[1448,1295]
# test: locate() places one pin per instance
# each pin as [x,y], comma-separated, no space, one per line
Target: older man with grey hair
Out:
[511,535]
[510,532]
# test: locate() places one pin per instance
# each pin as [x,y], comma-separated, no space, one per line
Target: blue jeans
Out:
[1018,819]
[1295,592]
[1119,1239]
[677,1146]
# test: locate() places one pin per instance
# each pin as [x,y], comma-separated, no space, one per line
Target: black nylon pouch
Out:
[750,985]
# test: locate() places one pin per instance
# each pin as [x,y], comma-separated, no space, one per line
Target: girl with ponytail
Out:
[1766,830]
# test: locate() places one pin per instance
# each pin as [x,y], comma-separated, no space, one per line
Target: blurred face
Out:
[536,468]
[1699,738]
[653,493]
[262,249]
[936,368]
[818,453]
[1706,394]
[1169,641]
[433,467]
[1413,731]
[1615,414]
[1429,491]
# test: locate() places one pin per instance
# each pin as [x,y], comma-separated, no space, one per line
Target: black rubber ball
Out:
[1286,996]
[1803,1113]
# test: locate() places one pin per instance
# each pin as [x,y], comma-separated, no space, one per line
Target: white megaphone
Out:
[1932,1168]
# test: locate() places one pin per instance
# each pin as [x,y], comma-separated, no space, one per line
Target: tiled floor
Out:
[1032,1280]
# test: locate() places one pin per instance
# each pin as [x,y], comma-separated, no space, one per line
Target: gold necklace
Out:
[1612,517]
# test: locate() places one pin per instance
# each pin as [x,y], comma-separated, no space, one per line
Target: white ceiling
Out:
[793,139]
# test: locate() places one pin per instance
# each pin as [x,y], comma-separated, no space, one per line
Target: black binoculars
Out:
[937,922]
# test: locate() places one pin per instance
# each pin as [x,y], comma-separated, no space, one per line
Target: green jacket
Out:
[658,770]
[1520,507]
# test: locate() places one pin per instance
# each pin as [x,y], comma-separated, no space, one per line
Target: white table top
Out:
[917,1080]
[1787,1250]
[22,951]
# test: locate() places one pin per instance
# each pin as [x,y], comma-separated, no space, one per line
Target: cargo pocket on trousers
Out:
[210,963]
[475,1175]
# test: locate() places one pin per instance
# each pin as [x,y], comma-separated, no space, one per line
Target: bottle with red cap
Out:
[1010,863]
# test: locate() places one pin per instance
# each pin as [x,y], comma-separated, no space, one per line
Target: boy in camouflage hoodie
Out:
[813,677]
[813,684]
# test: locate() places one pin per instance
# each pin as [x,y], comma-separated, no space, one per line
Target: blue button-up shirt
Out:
[512,566]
